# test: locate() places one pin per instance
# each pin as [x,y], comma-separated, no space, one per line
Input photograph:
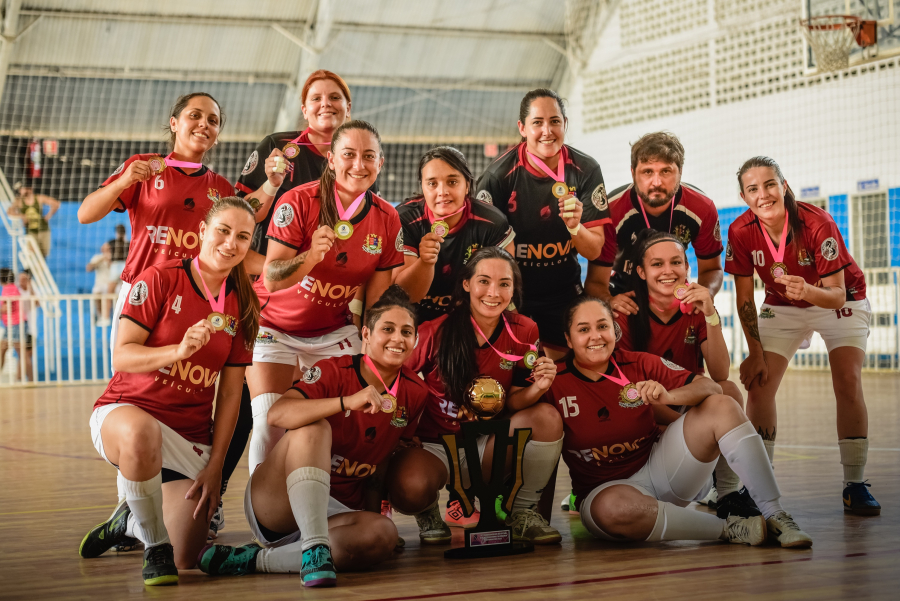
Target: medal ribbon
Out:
[777,253]
[434,217]
[671,213]
[559,176]
[621,380]
[218,305]
[346,215]
[173,163]
[391,391]
[506,356]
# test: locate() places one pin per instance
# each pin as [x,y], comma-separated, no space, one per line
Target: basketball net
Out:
[831,37]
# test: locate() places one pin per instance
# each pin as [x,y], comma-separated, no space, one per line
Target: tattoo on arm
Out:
[281,270]
[765,433]
[748,317]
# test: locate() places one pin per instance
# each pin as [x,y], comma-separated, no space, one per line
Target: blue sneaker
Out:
[859,501]
[318,567]
[222,560]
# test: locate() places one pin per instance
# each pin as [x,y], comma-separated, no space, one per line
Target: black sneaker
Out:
[737,503]
[159,566]
[222,560]
[104,536]
[128,544]
[859,501]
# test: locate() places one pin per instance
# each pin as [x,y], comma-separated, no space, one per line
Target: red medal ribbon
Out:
[506,356]
[777,253]
[173,163]
[391,391]
[218,305]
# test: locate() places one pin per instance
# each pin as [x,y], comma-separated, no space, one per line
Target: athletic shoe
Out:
[103,536]
[787,532]
[568,504]
[318,567]
[859,501]
[745,531]
[128,544]
[222,560]
[455,518]
[711,499]
[386,509]
[401,542]
[217,524]
[432,529]
[528,525]
[738,503]
[159,566]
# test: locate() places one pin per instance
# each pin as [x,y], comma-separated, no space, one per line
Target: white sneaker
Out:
[745,531]
[787,532]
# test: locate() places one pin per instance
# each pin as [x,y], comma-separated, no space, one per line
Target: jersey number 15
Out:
[569,406]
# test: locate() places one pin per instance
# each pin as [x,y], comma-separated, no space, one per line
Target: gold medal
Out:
[630,397]
[388,402]
[560,189]
[441,228]
[157,165]
[779,270]
[530,359]
[290,150]
[343,229]
[217,320]
[681,291]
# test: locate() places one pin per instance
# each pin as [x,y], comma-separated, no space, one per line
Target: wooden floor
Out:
[53,488]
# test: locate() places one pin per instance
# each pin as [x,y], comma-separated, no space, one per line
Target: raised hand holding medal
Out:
[217,317]
[570,208]
[158,164]
[389,396]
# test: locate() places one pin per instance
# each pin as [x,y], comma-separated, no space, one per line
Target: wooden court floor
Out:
[53,488]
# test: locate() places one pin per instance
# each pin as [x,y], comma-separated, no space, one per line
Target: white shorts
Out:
[115,270]
[671,474]
[334,507]
[438,451]
[783,329]
[124,289]
[178,454]
[273,346]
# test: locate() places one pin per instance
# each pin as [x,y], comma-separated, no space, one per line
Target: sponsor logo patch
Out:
[717,232]
[138,293]
[312,375]
[830,249]
[470,251]
[250,165]
[618,331]
[398,242]
[485,197]
[284,216]
[189,204]
[119,169]
[729,252]
[670,365]
[767,313]
[266,338]
[598,197]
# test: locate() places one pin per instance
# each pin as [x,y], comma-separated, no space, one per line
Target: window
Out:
[869,230]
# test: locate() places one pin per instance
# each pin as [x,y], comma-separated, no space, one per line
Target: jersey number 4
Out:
[569,406]
[176,306]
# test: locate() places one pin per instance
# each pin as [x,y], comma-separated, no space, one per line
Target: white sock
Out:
[308,490]
[264,437]
[120,486]
[680,523]
[727,481]
[145,502]
[854,452]
[539,459]
[281,560]
[745,452]
[770,451]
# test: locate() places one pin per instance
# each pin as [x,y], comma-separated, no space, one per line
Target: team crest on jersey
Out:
[250,165]
[683,233]
[470,251]
[598,197]
[213,195]
[266,338]
[670,365]
[398,242]
[485,197]
[507,364]
[119,169]
[803,258]
[284,215]
[138,294]
[729,252]
[618,331]
[830,249]
[312,375]
[767,313]
[372,244]
[230,325]
[401,418]
[717,232]
[690,335]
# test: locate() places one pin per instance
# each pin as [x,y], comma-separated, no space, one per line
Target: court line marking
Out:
[826,448]
[57,510]
[634,576]
[60,455]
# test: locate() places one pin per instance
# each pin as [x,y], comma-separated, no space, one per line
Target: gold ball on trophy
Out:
[485,397]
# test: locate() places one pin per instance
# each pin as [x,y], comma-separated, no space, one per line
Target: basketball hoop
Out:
[831,38]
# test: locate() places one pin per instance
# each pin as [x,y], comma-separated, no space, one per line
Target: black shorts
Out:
[550,319]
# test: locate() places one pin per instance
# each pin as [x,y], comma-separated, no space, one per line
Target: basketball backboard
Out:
[885,12]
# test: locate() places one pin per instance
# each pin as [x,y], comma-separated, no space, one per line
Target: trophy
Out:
[491,537]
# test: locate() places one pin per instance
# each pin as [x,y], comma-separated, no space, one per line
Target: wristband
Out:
[574,230]
[713,319]
[269,188]
[342,404]
[356,307]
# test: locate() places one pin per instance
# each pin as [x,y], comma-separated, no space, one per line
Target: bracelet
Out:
[713,319]
[356,307]
[342,404]
[269,188]
[574,230]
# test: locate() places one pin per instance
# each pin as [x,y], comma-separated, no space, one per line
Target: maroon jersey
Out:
[694,221]
[360,442]
[165,212]
[318,303]
[602,440]
[819,253]
[677,341]
[442,414]
[165,301]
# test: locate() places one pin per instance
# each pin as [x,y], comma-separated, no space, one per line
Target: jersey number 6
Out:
[158,183]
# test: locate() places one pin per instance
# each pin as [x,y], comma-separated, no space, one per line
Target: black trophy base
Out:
[488,543]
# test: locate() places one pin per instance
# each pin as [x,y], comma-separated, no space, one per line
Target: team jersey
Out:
[318,304]
[360,442]
[481,225]
[694,221]
[820,252]
[165,212]
[165,301]
[544,248]
[442,415]
[678,340]
[602,439]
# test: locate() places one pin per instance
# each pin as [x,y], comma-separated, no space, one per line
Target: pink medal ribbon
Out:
[629,397]
[343,229]
[560,188]
[217,317]
[439,225]
[389,396]
[158,164]
[173,163]
[530,357]
[292,148]
[778,269]
[647,221]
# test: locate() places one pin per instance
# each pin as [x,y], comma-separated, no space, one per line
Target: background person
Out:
[29,207]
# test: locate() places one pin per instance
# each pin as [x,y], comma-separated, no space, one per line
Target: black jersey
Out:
[481,225]
[694,220]
[544,248]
